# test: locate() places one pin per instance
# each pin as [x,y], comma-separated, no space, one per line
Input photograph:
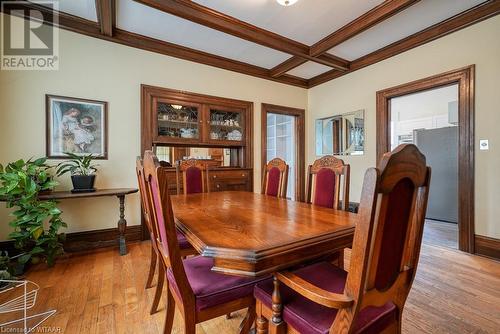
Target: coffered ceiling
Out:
[305,44]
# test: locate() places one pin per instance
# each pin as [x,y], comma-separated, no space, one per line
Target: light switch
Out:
[484,145]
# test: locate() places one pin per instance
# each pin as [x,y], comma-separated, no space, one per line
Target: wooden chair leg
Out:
[152,268]
[277,325]
[159,290]
[189,326]
[261,324]
[247,322]
[170,311]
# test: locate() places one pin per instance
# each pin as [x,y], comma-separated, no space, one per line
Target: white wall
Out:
[478,44]
[95,69]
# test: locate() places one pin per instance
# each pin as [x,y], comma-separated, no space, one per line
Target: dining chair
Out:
[200,293]
[324,177]
[193,175]
[370,297]
[184,245]
[275,178]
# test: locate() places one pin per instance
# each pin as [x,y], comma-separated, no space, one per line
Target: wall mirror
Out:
[341,134]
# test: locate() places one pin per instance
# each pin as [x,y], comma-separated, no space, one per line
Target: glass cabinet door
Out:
[178,122]
[226,125]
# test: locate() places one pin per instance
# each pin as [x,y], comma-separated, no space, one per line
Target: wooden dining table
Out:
[251,234]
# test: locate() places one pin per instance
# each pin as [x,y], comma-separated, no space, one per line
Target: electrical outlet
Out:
[484,145]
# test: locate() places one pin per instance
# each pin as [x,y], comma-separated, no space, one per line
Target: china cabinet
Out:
[183,121]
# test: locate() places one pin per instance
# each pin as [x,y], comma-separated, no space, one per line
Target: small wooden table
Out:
[252,234]
[118,192]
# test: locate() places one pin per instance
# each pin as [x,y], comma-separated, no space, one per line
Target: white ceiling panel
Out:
[147,21]
[307,21]
[81,8]
[414,19]
[309,70]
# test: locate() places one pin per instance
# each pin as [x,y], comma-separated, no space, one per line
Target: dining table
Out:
[251,234]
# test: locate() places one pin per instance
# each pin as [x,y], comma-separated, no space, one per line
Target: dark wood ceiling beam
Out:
[371,18]
[106,16]
[93,29]
[205,16]
[469,17]
[376,15]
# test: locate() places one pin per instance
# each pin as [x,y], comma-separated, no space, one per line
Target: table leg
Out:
[122,226]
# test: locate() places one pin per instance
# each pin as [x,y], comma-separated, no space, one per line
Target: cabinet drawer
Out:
[230,180]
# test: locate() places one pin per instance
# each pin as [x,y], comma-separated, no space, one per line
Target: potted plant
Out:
[36,223]
[82,171]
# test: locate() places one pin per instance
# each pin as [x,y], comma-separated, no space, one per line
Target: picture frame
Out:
[77,126]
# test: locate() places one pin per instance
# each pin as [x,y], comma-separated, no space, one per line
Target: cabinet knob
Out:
[243,175]
[218,186]
[215,176]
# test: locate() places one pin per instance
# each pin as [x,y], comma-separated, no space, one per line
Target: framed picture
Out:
[77,126]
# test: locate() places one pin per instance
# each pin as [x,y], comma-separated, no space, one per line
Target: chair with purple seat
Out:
[370,298]
[193,175]
[325,176]
[200,293]
[185,246]
[275,178]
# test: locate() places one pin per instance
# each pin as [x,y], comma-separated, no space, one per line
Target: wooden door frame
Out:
[464,77]
[300,147]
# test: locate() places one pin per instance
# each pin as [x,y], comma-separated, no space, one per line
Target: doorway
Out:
[446,137]
[283,136]
[429,119]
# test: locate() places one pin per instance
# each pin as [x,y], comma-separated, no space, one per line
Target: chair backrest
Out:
[275,178]
[159,200]
[324,180]
[139,170]
[194,176]
[388,236]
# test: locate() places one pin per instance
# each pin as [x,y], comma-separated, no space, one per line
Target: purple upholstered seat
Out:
[273,182]
[183,242]
[308,317]
[211,288]
[324,188]
[194,180]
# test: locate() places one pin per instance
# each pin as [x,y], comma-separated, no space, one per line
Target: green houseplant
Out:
[82,171]
[36,223]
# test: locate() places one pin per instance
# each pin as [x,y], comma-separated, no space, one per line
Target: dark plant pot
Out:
[83,183]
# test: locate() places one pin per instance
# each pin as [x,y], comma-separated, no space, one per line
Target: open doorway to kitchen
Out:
[437,115]
[283,136]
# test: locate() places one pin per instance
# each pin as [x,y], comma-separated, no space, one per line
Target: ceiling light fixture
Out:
[286,2]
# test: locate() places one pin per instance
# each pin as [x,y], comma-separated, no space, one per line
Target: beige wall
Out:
[96,69]
[480,45]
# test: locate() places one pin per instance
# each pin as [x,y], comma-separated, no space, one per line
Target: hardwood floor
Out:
[103,292]
[441,233]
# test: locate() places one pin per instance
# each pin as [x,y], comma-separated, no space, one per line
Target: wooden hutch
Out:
[184,121]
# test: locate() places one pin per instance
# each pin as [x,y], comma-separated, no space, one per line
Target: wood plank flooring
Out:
[103,292]
[441,233]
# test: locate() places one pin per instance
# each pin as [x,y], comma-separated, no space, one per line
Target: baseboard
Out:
[89,240]
[486,246]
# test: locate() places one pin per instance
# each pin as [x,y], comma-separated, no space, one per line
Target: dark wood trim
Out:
[300,142]
[208,17]
[464,77]
[88,240]
[376,15]
[465,19]
[48,117]
[92,29]
[486,246]
[106,16]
